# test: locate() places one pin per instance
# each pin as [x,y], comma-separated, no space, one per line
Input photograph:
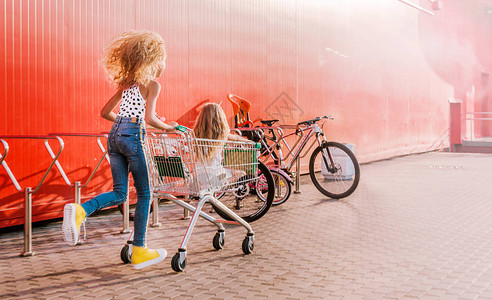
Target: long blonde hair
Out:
[133,57]
[211,123]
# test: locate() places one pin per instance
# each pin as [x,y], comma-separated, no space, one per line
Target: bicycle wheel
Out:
[283,188]
[334,170]
[252,200]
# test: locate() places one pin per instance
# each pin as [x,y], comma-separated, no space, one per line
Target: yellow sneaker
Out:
[73,217]
[143,257]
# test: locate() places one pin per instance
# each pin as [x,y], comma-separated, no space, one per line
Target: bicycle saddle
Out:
[269,122]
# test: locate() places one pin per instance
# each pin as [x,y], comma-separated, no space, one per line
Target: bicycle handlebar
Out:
[311,122]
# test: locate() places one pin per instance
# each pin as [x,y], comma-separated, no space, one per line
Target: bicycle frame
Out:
[311,127]
[330,164]
[299,145]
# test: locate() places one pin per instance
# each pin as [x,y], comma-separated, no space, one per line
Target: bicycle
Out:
[333,167]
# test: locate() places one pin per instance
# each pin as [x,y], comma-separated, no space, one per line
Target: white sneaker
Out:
[73,217]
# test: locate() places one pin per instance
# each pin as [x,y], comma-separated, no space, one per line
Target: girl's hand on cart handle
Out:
[172,126]
[181,128]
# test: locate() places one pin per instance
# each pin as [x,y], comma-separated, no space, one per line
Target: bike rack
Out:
[28,191]
[6,151]
[77,184]
[297,181]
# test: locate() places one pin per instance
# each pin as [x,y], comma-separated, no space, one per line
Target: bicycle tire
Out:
[251,207]
[283,188]
[339,180]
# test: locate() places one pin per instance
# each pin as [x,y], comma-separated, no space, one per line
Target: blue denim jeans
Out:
[126,148]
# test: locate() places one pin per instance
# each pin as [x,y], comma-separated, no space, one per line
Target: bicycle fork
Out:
[325,152]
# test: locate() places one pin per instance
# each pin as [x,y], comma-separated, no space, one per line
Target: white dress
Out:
[212,175]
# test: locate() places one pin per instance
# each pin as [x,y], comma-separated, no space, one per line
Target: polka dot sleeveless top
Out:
[132,103]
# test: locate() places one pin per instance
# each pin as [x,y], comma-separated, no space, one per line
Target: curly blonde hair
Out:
[211,123]
[133,57]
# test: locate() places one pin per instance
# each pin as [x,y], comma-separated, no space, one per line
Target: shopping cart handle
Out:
[182,128]
[258,146]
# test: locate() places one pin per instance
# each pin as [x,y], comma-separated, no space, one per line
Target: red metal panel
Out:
[248,55]
[382,68]
[3,64]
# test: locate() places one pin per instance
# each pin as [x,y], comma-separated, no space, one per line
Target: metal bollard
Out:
[126,216]
[28,223]
[77,192]
[155,212]
[298,176]
[186,214]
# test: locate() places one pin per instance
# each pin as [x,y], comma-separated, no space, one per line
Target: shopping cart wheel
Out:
[219,240]
[125,254]
[176,264]
[248,244]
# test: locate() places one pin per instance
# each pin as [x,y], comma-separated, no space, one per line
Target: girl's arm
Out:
[107,111]
[150,117]
[237,138]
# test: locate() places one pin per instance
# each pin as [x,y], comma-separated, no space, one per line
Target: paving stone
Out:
[415,228]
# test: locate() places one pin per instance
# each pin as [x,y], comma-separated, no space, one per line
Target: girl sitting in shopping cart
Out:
[211,124]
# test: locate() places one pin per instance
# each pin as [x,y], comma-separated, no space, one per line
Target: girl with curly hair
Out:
[132,61]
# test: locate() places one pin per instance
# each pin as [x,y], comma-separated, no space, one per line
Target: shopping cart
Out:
[190,168]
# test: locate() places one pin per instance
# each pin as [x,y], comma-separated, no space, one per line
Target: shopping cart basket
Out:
[181,165]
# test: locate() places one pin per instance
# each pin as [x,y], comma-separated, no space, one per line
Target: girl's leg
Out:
[142,256]
[119,170]
[74,215]
[139,169]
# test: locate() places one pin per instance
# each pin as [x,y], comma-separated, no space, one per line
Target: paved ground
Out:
[418,227]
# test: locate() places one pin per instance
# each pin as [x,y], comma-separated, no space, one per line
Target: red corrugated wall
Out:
[380,67]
